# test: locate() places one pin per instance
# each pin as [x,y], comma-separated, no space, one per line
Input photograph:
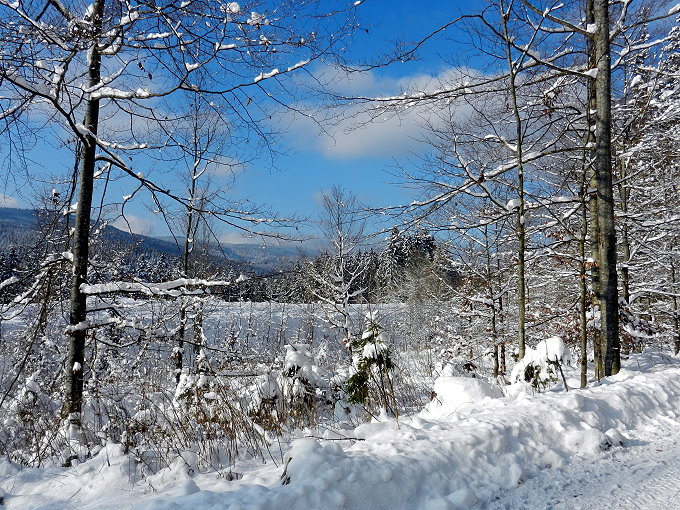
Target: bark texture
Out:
[75,361]
[609,299]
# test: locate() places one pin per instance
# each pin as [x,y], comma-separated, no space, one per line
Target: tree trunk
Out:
[609,304]
[594,225]
[624,196]
[583,290]
[492,301]
[676,310]
[496,366]
[521,230]
[521,279]
[178,354]
[75,359]
[595,275]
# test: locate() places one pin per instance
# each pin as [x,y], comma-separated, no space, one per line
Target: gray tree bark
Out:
[609,301]
[492,301]
[75,360]
[583,290]
[594,225]
[624,196]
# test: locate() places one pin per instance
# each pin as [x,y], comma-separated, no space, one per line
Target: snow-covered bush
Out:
[635,332]
[297,396]
[263,397]
[28,424]
[207,417]
[299,384]
[456,360]
[371,384]
[542,365]
[450,393]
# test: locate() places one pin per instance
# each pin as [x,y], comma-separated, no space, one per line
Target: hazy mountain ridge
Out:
[17,226]
[24,221]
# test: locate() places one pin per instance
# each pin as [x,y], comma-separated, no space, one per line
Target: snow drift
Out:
[465,449]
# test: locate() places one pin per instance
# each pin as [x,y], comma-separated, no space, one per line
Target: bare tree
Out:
[203,146]
[106,74]
[343,225]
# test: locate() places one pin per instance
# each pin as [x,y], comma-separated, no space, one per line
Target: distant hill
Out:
[18,218]
[268,254]
[20,222]
[18,226]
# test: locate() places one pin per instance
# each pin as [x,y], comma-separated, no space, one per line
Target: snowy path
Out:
[643,475]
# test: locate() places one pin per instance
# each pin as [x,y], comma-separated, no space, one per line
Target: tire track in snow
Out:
[658,483]
[644,475]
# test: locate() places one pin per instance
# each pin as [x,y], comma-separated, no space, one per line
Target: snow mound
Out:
[467,450]
[453,392]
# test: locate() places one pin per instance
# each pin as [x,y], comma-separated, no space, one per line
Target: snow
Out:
[373,350]
[298,356]
[257,19]
[475,449]
[300,64]
[173,288]
[130,17]
[529,156]
[9,281]
[152,36]
[551,350]
[533,54]
[513,204]
[264,76]
[89,12]
[451,393]
[73,208]
[674,10]
[109,92]
[643,475]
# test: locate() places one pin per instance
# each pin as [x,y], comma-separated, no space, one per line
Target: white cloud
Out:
[239,237]
[7,201]
[225,166]
[365,130]
[135,224]
[392,135]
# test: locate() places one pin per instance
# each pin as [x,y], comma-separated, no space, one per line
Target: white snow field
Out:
[616,444]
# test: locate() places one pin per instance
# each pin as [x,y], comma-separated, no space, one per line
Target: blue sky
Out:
[358,160]
[363,161]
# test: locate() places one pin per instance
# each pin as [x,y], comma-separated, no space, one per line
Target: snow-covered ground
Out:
[643,475]
[616,444]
